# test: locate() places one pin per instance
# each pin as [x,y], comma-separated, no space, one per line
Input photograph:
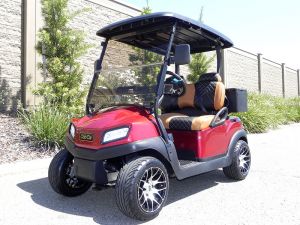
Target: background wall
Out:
[99,14]
[20,21]
[244,69]
[10,52]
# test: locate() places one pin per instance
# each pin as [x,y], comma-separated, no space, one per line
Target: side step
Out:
[188,163]
[188,168]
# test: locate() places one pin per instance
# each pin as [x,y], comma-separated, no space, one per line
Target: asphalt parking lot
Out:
[269,195]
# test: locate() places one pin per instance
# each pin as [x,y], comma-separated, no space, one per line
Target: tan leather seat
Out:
[177,121]
[207,94]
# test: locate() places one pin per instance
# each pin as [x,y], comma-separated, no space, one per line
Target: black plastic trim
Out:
[155,143]
[90,170]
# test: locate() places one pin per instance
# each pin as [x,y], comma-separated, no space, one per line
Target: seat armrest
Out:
[219,118]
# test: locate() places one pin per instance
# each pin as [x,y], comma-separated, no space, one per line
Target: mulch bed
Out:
[16,143]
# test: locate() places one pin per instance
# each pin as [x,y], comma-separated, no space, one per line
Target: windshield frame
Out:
[160,81]
[160,75]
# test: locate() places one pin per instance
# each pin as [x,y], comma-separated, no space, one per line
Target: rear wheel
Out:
[241,162]
[142,188]
[62,178]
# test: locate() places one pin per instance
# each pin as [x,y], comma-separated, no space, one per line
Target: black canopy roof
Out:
[152,32]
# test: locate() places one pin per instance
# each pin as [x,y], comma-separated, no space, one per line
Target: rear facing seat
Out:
[196,108]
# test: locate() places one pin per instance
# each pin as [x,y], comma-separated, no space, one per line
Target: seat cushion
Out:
[177,121]
[206,95]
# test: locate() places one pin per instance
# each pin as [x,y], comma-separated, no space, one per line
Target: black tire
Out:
[237,171]
[61,179]
[134,183]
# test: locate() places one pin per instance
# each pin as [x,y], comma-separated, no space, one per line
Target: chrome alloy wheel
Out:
[152,189]
[244,160]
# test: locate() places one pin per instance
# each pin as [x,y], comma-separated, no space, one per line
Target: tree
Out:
[200,62]
[61,47]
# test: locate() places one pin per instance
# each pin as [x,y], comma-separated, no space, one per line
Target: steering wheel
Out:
[178,84]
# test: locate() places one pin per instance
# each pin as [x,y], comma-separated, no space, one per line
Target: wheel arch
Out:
[244,138]
[239,135]
[153,153]
[158,155]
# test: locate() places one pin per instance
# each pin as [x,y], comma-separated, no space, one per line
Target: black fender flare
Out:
[239,135]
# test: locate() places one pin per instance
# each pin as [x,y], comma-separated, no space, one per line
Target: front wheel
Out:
[142,188]
[240,166]
[62,178]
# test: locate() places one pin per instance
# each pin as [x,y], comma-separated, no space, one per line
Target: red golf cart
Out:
[145,123]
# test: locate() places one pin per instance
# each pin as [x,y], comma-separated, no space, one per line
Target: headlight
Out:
[114,135]
[72,130]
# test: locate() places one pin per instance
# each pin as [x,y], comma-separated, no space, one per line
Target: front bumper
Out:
[90,170]
[155,143]
[89,164]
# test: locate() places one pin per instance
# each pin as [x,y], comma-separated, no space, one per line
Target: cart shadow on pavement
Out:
[101,206]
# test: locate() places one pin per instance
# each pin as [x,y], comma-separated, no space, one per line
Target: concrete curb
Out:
[24,166]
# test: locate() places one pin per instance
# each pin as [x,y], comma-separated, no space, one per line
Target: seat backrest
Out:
[207,95]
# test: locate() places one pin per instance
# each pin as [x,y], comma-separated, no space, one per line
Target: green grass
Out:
[267,112]
[47,124]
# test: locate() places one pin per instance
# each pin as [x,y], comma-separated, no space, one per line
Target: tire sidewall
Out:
[237,151]
[134,202]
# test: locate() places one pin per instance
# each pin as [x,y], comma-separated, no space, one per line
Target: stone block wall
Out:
[241,70]
[291,86]
[98,14]
[271,78]
[96,17]
[10,53]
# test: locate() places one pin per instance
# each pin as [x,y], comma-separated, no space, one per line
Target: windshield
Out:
[128,76]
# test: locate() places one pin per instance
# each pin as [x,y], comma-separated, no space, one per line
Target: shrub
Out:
[61,48]
[266,112]
[47,124]
[199,65]
[257,119]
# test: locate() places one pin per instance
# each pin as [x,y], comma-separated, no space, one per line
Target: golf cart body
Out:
[137,108]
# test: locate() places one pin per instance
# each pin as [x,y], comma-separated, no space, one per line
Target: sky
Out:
[270,27]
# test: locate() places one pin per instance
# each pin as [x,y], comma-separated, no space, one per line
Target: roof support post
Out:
[98,67]
[161,80]
[223,67]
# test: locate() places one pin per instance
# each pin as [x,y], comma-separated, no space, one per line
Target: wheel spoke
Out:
[151,189]
[147,204]
[161,189]
[244,159]
[152,204]
[159,195]
[153,175]
[156,202]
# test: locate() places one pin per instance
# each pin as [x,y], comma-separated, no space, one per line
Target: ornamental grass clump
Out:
[267,112]
[47,124]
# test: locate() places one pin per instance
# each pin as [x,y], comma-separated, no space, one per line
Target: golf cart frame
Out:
[164,145]
[174,37]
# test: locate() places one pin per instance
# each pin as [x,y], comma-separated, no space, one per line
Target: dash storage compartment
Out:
[237,100]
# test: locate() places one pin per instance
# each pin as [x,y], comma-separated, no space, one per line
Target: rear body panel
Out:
[205,144]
